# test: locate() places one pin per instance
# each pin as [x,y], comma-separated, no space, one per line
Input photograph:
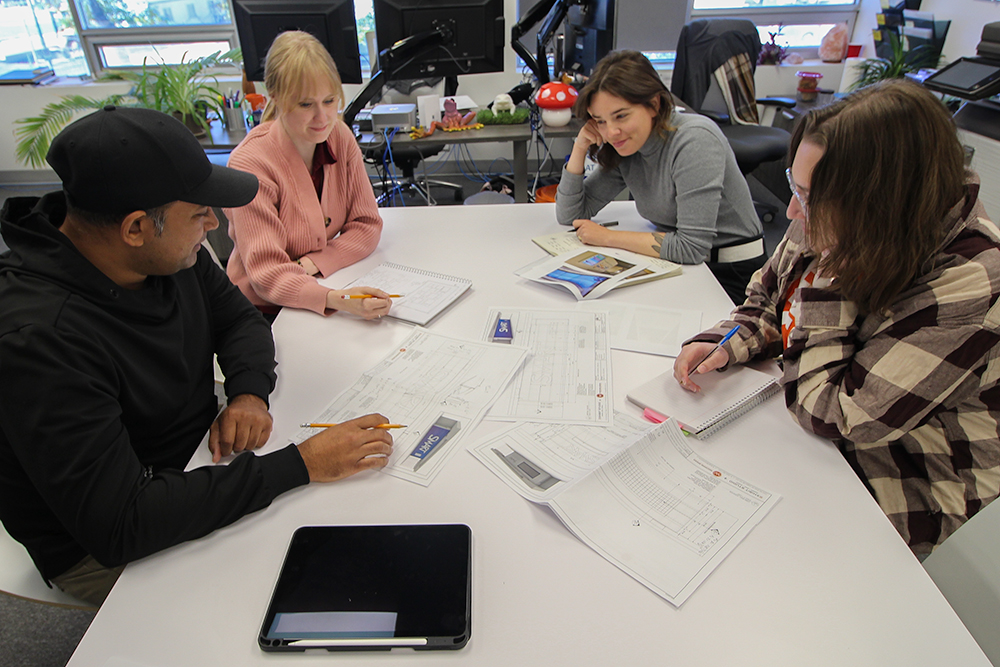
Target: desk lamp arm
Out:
[551,13]
[390,62]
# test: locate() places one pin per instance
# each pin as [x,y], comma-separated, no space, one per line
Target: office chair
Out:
[713,75]
[966,569]
[406,158]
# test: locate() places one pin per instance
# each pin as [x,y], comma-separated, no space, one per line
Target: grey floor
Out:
[38,634]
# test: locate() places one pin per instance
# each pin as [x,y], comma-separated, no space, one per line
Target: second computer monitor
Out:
[476,29]
[590,35]
[332,22]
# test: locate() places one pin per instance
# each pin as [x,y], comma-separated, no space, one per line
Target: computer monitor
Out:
[590,35]
[258,22]
[476,35]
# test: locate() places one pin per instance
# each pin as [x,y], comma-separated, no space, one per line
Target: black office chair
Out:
[406,158]
[713,75]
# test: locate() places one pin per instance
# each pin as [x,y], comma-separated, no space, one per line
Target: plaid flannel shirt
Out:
[911,395]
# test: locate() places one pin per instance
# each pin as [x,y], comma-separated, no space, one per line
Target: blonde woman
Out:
[315,212]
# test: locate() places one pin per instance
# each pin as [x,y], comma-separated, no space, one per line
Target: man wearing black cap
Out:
[110,313]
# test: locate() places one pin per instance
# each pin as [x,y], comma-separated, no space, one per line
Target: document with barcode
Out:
[639,496]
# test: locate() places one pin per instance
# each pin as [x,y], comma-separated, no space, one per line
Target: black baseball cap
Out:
[124,159]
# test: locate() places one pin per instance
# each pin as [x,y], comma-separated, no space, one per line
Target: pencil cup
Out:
[234,119]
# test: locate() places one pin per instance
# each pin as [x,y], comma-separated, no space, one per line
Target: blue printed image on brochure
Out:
[584,282]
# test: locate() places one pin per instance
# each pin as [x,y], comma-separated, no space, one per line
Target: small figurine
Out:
[503,102]
[452,121]
[556,100]
[504,112]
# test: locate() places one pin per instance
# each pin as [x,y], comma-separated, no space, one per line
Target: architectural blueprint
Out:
[656,509]
[540,460]
[567,377]
[440,387]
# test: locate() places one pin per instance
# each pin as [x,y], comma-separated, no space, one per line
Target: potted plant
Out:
[186,90]
[898,65]
[771,53]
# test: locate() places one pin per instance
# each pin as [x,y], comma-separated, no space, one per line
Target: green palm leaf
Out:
[34,134]
[185,88]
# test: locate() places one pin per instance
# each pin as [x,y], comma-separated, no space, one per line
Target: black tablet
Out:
[968,78]
[372,588]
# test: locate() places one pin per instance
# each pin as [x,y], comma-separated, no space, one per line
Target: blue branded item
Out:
[443,429]
[502,331]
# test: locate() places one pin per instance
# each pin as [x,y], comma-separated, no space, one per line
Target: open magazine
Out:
[639,496]
[592,272]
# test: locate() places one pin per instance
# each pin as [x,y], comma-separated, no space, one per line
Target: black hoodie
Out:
[105,393]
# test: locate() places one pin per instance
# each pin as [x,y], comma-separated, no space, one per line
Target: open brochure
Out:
[592,272]
[639,496]
[557,244]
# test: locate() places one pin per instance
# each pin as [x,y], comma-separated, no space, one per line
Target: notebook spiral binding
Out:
[731,414]
[425,272]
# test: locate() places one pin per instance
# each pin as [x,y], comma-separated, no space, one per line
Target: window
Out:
[745,4]
[364,16]
[81,37]
[40,34]
[122,33]
[802,22]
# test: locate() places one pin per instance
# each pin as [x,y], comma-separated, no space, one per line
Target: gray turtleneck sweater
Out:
[688,185]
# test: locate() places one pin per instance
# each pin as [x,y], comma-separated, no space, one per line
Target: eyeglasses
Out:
[803,199]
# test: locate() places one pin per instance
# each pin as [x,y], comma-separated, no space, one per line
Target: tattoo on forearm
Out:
[657,242]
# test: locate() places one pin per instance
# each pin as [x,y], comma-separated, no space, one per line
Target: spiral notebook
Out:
[723,398]
[424,293]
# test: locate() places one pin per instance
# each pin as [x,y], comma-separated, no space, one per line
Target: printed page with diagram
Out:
[638,495]
[662,513]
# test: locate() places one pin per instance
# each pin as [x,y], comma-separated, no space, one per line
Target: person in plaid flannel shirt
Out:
[881,305]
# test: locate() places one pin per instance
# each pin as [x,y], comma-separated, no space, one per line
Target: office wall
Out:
[967,20]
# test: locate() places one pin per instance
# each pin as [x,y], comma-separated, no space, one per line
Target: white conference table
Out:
[823,580]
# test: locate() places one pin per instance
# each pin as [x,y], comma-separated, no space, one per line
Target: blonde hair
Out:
[293,61]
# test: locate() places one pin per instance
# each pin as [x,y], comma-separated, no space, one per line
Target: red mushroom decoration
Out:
[556,101]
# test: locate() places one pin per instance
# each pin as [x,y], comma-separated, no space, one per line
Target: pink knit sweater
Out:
[286,221]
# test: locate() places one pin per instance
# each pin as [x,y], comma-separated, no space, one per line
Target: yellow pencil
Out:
[368,296]
[386,426]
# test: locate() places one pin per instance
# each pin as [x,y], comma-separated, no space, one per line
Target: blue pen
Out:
[718,345]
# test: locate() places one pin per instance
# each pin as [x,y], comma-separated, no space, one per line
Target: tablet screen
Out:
[967,75]
[366,587]
[968,78]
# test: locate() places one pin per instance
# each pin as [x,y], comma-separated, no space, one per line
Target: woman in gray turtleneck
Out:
[678,167]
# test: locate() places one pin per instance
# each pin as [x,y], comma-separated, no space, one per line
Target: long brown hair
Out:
[891,171]
[293,61]
[630,76]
